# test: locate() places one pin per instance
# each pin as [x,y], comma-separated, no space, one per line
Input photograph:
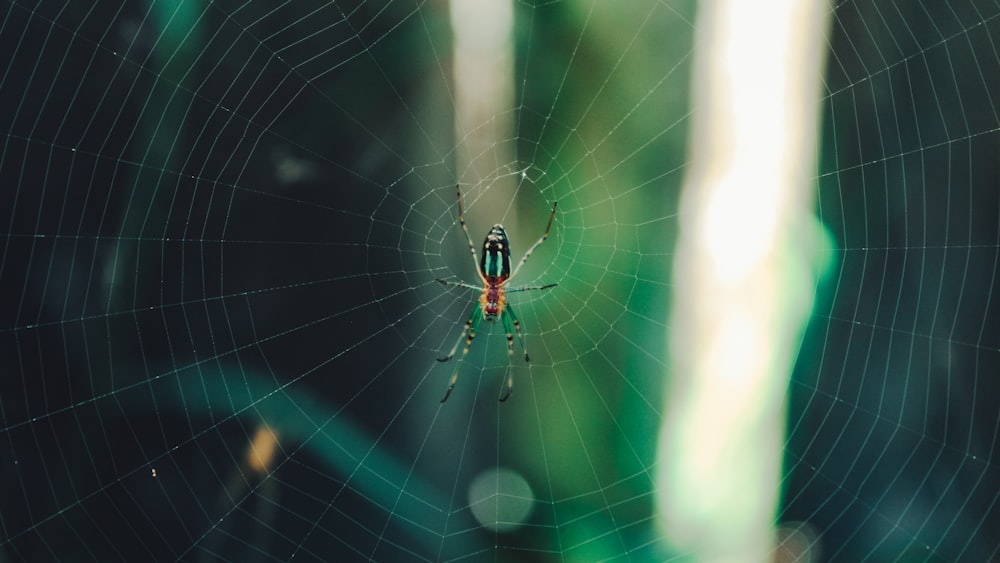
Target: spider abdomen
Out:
[496,254]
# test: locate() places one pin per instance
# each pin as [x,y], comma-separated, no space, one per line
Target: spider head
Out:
[495,263]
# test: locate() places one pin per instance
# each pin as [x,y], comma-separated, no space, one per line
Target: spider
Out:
[494,273]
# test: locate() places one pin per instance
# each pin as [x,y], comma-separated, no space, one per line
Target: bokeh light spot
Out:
[500,499]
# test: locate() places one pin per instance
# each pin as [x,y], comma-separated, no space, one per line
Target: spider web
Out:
[220,317]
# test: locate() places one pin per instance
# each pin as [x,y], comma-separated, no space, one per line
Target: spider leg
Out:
[460,284]
[517,328]
[534,246]
[472,245]
[529,288]
[510,388]
[471,326]
[510,346]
